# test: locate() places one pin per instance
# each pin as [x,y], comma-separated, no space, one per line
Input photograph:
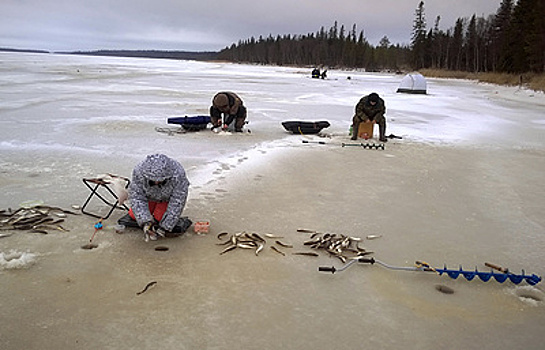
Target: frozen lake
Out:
[462,186]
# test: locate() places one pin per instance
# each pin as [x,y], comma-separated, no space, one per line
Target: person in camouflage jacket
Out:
[231,106]
[370,108]
[158,193]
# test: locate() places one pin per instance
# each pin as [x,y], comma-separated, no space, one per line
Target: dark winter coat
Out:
[365,111]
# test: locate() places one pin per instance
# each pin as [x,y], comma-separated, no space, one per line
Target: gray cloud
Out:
[209,24]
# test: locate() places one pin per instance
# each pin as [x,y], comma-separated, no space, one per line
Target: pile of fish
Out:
[40,219]
[255,242]
[338,245]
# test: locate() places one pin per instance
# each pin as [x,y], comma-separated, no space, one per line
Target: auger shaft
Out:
[454,274]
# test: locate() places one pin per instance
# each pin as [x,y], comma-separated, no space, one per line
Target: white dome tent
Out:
[413,83]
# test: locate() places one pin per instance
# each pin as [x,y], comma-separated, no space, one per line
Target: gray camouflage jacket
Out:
[158,167]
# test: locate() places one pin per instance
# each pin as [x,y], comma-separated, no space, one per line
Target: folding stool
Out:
[95,185]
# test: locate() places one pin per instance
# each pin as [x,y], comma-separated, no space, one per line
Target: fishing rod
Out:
[500,277]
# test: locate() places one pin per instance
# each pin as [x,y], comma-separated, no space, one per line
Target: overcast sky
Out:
[210,25]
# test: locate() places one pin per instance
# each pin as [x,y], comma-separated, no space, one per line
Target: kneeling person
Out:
[231,106]
[158,193]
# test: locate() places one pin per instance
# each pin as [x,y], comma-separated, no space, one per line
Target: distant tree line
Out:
[178,55]
[334,47]
[512,40]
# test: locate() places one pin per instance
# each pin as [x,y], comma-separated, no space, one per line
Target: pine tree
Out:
[418,38]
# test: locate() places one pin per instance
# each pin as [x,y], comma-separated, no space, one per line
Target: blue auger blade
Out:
[486,276]
[533,279]
[469,275]
[501,277]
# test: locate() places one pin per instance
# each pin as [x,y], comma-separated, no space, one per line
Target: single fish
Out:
[278,251]
[148,286]
[221,234]
[50,227]
[284,244]
[44,232]
[245,246]
[231,247]
[259,248]
[315,234]
[305,253]
[258,237]
[305,230]
[373,236]
[272,236]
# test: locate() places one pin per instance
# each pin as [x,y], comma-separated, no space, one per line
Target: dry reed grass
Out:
[532,81]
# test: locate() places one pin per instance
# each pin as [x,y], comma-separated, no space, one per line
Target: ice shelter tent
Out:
[413,83]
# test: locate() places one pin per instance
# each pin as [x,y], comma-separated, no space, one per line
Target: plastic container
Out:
[201,226]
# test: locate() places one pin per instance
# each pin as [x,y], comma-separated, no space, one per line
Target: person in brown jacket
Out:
[230,105]
[370,108]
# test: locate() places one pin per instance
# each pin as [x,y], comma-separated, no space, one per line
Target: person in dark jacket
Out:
[370,108]
[231,106]
[158,193]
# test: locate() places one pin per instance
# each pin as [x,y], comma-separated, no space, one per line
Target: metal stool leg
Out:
[94,185]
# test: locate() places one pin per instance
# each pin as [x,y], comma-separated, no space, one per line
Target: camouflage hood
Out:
[157,167]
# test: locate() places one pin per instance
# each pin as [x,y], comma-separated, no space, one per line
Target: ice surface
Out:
[63,118]
[105,110]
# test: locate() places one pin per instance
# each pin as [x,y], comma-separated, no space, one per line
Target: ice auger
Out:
[501,276]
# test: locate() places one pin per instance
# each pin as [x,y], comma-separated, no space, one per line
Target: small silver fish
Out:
[305,230]
[228,249]
[272,236]
[305,253]
[259,248]
[284,244]
[278,251]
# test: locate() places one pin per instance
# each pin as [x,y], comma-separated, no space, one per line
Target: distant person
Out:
[316,73]
[324,74]
[370,108]
[158,193]
[231,107]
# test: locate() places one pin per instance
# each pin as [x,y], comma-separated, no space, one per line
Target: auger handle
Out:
[331,269]
[319,142]
[496,267]
[367,260]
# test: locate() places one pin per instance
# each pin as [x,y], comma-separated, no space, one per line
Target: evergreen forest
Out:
[510,41]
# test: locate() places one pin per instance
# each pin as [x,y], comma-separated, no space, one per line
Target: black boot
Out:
[382,132]
[355,128]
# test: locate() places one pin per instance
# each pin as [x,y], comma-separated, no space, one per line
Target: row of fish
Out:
[40,219]
[340,246]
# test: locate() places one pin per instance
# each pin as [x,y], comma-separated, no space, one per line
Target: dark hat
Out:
[221,100]
[373,97]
